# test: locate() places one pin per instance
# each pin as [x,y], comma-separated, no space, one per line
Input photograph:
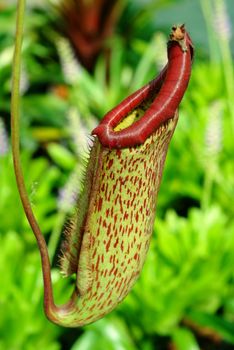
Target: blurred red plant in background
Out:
[87,24]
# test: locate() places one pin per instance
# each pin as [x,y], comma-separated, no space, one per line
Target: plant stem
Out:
[207,11]
[15,123]
[207,187]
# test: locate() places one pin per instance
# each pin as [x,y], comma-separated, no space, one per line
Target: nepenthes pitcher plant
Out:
[107,242]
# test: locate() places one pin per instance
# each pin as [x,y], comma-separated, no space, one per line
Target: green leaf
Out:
[184,339]
[108,334]
[61,156]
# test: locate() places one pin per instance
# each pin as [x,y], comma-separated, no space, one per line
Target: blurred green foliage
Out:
[184,298]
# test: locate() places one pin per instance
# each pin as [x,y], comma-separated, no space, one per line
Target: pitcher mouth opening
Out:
[135,114]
